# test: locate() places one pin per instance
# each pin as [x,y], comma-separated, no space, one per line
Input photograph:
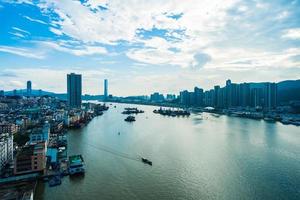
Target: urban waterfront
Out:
[204,156]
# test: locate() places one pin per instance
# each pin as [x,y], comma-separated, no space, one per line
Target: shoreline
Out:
[283,118]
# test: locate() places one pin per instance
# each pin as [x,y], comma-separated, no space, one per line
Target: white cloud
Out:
[22,52]
[240,59]
[56,31]
[82,50]
[20,30]
[292,34]
[282,15]
[122,20]
[35,20]
[17,34]
[229,36]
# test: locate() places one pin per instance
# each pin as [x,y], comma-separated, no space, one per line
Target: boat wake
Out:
[114,152]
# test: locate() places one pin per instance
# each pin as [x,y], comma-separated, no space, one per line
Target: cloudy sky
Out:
[143,46]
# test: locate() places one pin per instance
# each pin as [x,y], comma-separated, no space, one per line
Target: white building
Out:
[6,149]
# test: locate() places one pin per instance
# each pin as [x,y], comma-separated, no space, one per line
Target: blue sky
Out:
[149,45]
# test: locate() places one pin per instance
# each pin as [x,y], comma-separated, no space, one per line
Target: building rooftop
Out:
[75,159]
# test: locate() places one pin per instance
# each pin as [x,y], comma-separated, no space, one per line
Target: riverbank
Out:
[284,118]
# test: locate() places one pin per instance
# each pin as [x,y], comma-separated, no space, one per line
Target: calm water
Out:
[193,158]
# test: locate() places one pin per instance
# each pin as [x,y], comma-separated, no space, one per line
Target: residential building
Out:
[198,96]
[6,149]
[270,96]
[30,159]
[156,97]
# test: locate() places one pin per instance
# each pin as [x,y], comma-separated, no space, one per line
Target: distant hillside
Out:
[33,92]
[288,91]
[62,96]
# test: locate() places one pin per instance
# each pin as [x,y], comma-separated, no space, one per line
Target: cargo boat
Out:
[76,165]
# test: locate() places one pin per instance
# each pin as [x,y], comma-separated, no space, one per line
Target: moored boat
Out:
[76,164]
[129,119]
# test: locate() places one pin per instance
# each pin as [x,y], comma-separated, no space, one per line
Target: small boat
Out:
[146,161]
[130,119]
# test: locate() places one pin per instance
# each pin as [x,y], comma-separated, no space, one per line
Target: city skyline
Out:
[104,92]
[148,47]
[149,99]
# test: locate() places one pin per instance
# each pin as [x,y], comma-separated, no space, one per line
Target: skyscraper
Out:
[74,90]
[216,95]
[270,96]
[198,93]
[105,89]
[29,88]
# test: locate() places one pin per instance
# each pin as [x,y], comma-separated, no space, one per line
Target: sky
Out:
[144,46]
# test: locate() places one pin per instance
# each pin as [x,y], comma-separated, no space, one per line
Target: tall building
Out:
[6,143]
[6,149]
[270,96]
[216,95]
[29,88]
[244,95]
[208,98]
[74,90]
[199,96]
[105,89]
[156,97]
[184,97]
[256,97]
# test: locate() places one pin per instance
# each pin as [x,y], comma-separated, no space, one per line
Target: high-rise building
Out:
[6,149]
[105,89]
[184,97]
[156,97]
[199,96]
[244,94]
[216,95]
[74,90]
[6,143]
[256,97]
[270,96]
[221,97]
[170,97]
[29,88]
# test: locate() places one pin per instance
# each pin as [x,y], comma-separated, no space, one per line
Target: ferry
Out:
[76,165]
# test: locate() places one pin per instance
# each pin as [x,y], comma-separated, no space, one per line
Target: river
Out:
[198,157]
